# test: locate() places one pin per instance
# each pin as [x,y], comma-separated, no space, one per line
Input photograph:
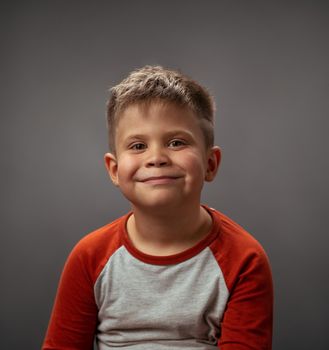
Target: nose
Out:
[157,157]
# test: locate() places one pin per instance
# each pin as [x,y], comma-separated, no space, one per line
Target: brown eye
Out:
[138,146]
[176,143]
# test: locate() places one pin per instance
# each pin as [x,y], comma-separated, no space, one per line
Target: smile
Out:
[160,180]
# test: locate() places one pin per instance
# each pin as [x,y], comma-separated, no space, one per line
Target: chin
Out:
[158,203]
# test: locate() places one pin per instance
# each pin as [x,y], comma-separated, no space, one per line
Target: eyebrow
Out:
[168,134]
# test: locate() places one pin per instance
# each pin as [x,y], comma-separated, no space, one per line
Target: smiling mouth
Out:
[160,180]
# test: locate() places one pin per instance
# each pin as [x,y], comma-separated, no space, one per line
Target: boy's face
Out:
[161,159]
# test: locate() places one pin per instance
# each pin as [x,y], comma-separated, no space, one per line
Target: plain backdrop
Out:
[266,64]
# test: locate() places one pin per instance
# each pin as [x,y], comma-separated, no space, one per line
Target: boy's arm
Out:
[247,321]
[74,317]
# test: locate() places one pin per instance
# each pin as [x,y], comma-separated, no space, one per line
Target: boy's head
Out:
[161,139]
[153,83]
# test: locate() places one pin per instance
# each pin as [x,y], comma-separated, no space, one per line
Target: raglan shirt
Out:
[217,294]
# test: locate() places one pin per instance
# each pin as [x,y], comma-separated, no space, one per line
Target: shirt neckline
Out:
[174,258]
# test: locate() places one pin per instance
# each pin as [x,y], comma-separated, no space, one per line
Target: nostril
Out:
[157,163]
[157,158]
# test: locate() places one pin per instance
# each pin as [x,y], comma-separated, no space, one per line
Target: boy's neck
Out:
[168,232]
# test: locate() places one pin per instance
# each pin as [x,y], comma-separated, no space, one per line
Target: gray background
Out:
[266,63]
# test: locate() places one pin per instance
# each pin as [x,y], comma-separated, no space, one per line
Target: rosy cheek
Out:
[128,166]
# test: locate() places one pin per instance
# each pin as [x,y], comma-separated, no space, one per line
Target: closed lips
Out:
[155,178]
[159,178]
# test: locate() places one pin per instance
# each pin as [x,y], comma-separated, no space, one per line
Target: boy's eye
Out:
[138,146]
[176,143]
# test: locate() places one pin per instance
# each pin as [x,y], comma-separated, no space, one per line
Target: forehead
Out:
[168,114]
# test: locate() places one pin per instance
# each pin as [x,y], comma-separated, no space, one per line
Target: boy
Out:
[171,274]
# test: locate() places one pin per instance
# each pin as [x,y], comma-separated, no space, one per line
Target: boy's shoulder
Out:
[234,236]
[237,252]
[92,252]
[108,234]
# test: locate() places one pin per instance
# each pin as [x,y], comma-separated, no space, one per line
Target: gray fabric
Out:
[143,306]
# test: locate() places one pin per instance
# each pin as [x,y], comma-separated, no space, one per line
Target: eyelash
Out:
[136,147]
[181,143]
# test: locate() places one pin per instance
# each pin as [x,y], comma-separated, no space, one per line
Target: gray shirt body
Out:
[145,306]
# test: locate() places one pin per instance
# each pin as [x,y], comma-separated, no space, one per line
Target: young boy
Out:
[171,274]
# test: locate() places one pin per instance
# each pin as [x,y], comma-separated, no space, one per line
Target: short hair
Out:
[157,83]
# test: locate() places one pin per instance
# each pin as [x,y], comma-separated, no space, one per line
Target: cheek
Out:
[195,164]
[127,166]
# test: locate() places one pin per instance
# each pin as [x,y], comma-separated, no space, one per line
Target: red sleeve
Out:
[248,319]
[74,316]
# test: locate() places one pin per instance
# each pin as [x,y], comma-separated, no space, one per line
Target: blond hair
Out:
[157,83]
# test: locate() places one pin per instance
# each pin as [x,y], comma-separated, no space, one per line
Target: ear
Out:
[111,164]
[213,162]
